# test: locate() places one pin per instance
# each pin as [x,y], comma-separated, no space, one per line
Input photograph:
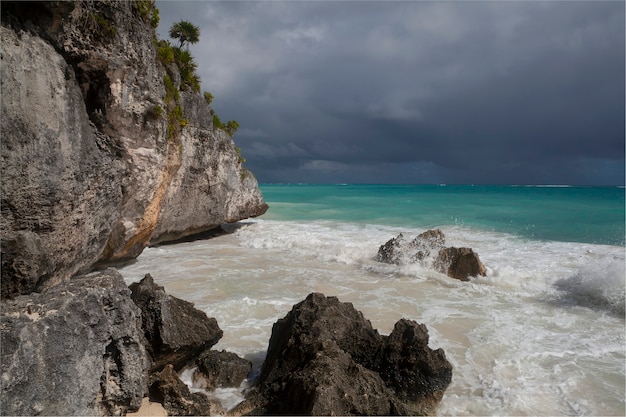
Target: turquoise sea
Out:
[560,213]
[542,334]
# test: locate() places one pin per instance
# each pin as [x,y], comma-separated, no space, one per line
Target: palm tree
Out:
[185,32]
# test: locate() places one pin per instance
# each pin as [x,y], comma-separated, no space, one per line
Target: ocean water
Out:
[542,334]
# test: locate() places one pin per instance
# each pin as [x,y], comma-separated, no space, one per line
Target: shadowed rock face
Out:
[325,358]
[167,389]
[176,331]
[460,263]
[220,369]
[89,171]
[416,374]
[76,349]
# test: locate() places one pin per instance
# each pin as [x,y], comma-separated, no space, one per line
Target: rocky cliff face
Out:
[92,170]
[76,349]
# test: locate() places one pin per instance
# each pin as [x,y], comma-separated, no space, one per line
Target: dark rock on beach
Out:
[416,374]
[460,263]
[176,331]
[85,347]
[390,253]
[75,349]
[167,388]
[220,369]
[325,358]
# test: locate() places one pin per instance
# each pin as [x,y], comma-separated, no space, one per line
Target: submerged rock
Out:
[325,358]
[176,331]
[75,349]
[460,263]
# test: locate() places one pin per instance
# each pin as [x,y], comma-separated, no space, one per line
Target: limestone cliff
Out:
[92,170]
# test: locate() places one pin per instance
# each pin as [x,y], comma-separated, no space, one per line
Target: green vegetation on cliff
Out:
[176,58]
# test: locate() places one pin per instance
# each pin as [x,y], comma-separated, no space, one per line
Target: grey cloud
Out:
[478,92]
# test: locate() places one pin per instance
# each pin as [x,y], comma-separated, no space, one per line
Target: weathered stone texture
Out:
[89,171]
[176,331]
[324,358]
[75,349]
[61,186]
[167,389]
[220,369]
[428,249]
[460,263]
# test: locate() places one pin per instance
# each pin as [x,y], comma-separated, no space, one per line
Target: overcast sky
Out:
[472,92]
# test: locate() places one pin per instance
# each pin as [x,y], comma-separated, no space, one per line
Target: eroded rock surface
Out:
[92,169]
[325,358]
[220,369]
[61,184]
[75,349]
[399,251]
[460,263]
[428,249]
[176,331]
[167,389]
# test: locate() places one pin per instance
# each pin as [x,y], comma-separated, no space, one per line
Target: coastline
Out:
[555,291]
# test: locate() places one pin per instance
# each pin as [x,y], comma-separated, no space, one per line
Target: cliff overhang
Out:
[92,172]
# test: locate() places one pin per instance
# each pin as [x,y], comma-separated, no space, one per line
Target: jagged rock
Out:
[324,357]
[92,171]
[175,330]
[299,335]
[167,388]
[417,375]
[422,246]
[220,369]
[331,383]
[398,251]
[60,189]
[432,238]
[460,263]
[390,252]
[75,349]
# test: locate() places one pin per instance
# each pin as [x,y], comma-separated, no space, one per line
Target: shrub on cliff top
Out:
[208,97]
[231,127]
[148,12]
[165,52]
[186,32]
[187,67]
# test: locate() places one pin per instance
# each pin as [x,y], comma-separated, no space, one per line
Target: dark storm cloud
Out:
[470,92]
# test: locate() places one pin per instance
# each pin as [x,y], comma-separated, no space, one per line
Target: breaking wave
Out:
[599,284]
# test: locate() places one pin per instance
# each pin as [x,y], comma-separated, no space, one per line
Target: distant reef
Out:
[105,149]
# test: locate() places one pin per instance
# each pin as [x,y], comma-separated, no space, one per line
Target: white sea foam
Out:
[598,284]
[228,397]
[542,334]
